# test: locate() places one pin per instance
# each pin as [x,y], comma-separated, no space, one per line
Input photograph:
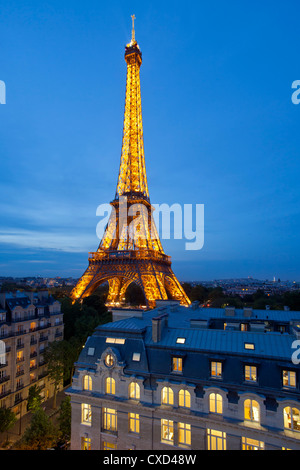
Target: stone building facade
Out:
[28,323]
[189,378]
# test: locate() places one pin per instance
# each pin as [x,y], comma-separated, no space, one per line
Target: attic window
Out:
[136,357]
[91,351]
[249,346]
[115,340]
[180,340]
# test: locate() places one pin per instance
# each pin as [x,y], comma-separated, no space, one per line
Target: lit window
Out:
[109,446]
[86,414]
[86,443]
[134,423]
[177,364]
[167,396]
[249,346]
[134,391]
[184,398]
[87,382]
[250,373]
[136,357]
[216,440]
[115,340]
[251,444]
[215,403]
[110,386]
[291,417]
[109,419]
[289,378]
[184,435]
[167,431]
[109,360]
[180,340]
[251,410]
[216,369]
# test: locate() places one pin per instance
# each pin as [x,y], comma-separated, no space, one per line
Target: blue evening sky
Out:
[220,129]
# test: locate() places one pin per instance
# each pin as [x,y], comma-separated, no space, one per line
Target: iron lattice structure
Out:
[130,249]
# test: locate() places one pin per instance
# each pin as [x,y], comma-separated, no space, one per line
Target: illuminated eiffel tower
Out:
[130,249]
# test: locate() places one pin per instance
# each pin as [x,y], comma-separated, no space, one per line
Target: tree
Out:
[56,360]
[64,419]
[41,434]
[7,420]
[34,398]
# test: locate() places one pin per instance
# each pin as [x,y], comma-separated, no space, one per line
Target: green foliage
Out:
[34,400]
[64,419]
[41,434]
[7,419]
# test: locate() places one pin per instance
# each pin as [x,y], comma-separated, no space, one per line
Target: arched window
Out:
[134,390]
[291,418]
[110,386]
[184,398]
[167,396]
[215,403]
[87,382]
[251,410]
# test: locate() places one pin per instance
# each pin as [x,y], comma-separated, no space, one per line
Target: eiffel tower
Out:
[130,249]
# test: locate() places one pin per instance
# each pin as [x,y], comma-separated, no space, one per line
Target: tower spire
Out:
[133,32]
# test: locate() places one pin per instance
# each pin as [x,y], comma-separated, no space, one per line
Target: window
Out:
[249,346]
[251,410]
[184,435]
[289,378]
[184,398]
[177,364]
[215,403]
[180,340]
[136,357]
[110,386]
[86,414]
[167,431]
[87,382]
[115,340]
[134,422]
[86,443]
[91,351]
[109,446]
[109,419]
[216,440]
[250,373]
[134,391]
[251,444]
[167,396]
[291,417]
[216,369]
[109,360]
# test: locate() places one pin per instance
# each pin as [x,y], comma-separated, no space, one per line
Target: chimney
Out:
[247,311]
[229,311]
[158,324]
[2,300]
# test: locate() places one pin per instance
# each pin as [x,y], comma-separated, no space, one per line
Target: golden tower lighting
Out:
[130,249]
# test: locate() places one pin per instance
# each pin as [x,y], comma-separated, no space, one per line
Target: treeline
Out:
[216,297]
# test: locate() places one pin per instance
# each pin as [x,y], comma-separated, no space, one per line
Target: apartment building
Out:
[28,322]
[189,378]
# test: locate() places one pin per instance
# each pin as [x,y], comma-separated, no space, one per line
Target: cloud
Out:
[47,240]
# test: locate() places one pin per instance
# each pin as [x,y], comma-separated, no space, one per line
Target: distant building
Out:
[28,323]
[189,378]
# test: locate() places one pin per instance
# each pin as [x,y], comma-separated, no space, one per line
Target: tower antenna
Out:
[133,32]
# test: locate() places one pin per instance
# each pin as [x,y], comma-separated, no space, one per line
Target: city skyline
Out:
[220,129]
